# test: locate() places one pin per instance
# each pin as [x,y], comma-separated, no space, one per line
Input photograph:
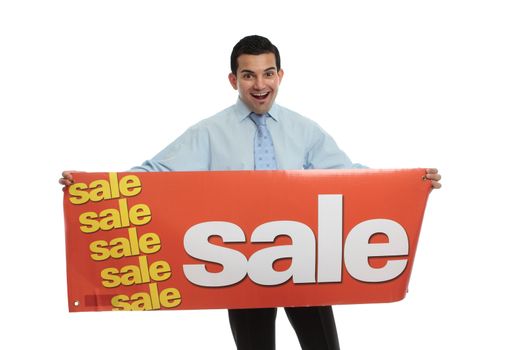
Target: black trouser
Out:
[254,329]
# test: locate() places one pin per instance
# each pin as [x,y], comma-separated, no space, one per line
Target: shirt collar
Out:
[243,111]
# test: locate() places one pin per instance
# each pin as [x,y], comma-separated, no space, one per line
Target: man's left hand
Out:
[434,176]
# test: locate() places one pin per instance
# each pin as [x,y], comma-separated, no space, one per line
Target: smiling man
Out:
[257,78]
[258,134]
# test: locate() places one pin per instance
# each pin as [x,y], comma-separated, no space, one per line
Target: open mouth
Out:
[260,96]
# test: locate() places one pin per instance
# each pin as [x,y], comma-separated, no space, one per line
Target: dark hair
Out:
[253,45]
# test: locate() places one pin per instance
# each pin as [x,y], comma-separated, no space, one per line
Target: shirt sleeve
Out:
[325,154]
[189,152]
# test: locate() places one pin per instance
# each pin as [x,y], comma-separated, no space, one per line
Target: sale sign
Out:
[241,239]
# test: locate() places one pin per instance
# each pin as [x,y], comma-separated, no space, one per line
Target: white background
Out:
[104,85]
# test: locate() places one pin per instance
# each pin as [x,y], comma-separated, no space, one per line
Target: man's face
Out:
[257,81]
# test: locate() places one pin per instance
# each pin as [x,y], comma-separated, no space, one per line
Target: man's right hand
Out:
[67,178]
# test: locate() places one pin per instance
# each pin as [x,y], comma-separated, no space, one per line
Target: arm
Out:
[189,152]
[325,154]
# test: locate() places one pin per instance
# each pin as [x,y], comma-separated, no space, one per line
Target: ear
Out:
[233,80]
[280,74]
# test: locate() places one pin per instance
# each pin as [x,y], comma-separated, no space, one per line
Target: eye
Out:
[247,76]
[270,74]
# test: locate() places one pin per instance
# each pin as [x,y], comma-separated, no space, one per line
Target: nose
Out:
[259,83]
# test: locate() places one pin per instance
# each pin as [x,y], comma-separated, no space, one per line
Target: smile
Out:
[261,95]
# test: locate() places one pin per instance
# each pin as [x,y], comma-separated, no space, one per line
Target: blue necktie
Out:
[263,151]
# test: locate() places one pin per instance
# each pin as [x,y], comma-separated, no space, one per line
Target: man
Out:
[256,133]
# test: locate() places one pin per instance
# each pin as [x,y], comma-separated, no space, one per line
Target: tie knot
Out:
[259,120]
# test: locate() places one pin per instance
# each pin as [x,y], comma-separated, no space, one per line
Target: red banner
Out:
[241,239]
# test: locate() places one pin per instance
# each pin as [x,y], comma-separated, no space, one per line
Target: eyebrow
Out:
[250,71]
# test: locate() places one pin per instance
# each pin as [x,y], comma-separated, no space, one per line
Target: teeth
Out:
[261,94]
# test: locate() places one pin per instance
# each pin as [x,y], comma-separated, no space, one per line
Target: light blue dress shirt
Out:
[225,142]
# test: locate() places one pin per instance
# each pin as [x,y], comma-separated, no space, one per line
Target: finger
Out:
[432,171]
[66,174]
[435,177]
[65,182]
[436,184]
